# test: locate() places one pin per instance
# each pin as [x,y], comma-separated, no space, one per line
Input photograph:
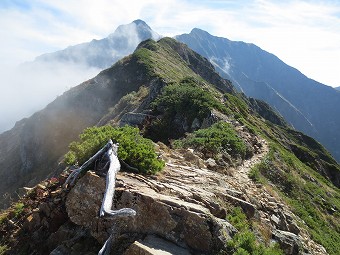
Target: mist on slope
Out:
[30,87]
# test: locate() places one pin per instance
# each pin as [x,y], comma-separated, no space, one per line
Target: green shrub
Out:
[220,137]
[238,219]
[182,101]
[244,242]
[255,174]
[134,149]
[18,208]
[189,98]
[237,104]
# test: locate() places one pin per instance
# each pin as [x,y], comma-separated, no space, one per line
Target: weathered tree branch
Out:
[128,167]
[111,150]
[109,194]
[110,187]
[105,250]
[73,176]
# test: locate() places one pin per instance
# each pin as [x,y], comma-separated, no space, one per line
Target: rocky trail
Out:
[260,203]
[181,210]
[185,206]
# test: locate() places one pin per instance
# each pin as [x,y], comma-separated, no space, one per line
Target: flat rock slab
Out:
[183,223]
[153,245]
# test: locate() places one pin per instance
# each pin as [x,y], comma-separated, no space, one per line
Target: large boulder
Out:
[188,225]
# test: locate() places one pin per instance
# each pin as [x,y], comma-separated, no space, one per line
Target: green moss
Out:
[18,209]
[3,249]
[3,217]
[134,149]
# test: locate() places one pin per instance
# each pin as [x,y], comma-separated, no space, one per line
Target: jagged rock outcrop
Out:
[184,206]
[189,225]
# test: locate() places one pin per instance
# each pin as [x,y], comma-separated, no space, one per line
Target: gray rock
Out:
[153,245]
[289,242]
[133,119]
[248,208]
[184,223]
[211,163]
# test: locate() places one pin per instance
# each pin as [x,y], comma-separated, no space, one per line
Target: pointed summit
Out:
[136,31]
[140,22]
[105,52]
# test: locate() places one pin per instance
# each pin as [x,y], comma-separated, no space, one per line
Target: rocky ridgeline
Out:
[182,210]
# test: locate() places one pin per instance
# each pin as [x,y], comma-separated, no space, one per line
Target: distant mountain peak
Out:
[198,31]
[140,22]
[136,28]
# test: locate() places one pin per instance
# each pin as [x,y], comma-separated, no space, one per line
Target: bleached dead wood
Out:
[105,250]
[73,176]
[110,150]
[110,187]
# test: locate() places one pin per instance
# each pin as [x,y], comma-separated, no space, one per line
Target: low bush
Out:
[134,149]
[244,242]
[189,98]
[220,137]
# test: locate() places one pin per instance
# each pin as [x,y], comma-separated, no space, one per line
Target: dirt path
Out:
[187,180]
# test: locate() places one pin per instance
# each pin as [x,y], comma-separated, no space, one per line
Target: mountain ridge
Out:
[262,75]
[104,52]
[51,74]
[243,165]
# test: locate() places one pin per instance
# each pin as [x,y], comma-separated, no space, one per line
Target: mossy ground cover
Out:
[162,61]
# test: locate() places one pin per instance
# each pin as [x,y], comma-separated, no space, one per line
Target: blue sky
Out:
[304,34]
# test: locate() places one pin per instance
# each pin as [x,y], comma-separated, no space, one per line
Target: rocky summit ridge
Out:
[236,179]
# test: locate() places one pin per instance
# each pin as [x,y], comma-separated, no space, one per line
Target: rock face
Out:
[188,225]
[182,210]
[153,245]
